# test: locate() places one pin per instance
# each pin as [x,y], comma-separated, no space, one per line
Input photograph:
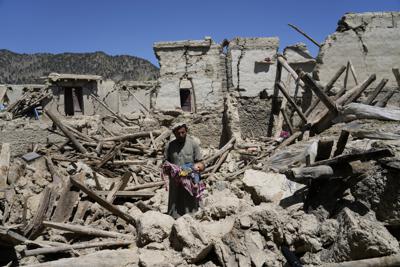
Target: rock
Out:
[360,237]
[308,235]
[268,187]
[218,205]
[188,236]
[151,258]
[269,219]
[153,227]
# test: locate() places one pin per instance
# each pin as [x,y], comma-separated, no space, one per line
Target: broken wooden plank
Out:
[102,202]
[375,93]
[120,185]
[67,133]
[42,251]
[362,156]
[356,92]
[66,203]
[35,226]
[324,149]
[85,230]
[341,143]
[353,72]
[383,102]
[226,147]
[128,162]
[291,101]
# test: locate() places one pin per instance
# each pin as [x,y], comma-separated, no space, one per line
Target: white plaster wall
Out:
[381,37]
[202,65]
[128,104]
[253,77]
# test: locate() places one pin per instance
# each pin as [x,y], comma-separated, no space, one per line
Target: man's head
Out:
[180,131]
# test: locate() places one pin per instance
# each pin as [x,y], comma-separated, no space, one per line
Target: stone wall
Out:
[252,62]
[196,65]
[370,40]
[254,115]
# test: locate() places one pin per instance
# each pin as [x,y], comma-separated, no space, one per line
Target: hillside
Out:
[27,68]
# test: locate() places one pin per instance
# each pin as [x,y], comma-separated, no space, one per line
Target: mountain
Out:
[27,68]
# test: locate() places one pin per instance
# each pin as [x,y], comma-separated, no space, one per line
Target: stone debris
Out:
[299,171]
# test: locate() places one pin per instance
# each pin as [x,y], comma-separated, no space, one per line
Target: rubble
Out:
[313,180]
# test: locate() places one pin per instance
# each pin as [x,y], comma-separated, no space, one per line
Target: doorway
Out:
[73,101]
[186,99]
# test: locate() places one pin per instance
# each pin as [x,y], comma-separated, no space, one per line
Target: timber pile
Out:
[27,102]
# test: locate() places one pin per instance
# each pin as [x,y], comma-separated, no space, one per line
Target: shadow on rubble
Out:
[325,198]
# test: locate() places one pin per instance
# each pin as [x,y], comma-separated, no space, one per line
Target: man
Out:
[180,151]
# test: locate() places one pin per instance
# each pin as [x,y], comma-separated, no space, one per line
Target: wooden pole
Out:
[305,35]
[67,133]
[291,101]
[386,261]
[319,93]
[327,88]
[132,136]
[289,69]
[375,93]
[85,230]
[102,202]
[287,120]
[341,143]
[274,106]
[140,103]
[41,251]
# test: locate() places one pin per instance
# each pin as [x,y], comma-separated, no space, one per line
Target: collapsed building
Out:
[302,157]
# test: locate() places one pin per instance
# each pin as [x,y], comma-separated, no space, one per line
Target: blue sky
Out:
[131,27]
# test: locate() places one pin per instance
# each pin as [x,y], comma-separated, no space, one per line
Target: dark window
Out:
[186,103]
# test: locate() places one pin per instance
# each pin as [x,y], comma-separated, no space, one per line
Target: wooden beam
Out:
[318,92]
[341,143]
[360,89]
[327,88]
[275,103]
[133,136]
[353,72]
[291,101]
[42,251]
[305,35]
[102,202]
[133,194]
[144,186]
[67,133]
[289,69]
[85,230]
[375,93]
[363,156]
[287,121]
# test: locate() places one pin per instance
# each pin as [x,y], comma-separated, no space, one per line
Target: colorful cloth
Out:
[182,177]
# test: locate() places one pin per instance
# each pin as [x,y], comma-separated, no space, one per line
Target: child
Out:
[193,170]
